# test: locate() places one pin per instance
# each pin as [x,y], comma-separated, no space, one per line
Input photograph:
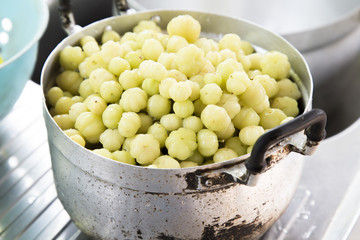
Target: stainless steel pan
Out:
[236,199]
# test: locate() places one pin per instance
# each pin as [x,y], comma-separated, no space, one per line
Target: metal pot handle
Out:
[313,122]
[121,6]
[248,173]
[67,17]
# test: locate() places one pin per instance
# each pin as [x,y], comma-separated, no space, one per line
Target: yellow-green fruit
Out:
[184,26]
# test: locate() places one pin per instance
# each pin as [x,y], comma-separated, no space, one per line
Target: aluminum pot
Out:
[236,199]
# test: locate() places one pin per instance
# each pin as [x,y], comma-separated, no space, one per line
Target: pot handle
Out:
[313,122]
[248,173]
[67,17]
[121,6]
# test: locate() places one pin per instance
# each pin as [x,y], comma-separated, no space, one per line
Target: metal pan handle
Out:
[67,17]
[121,6]
[313,122]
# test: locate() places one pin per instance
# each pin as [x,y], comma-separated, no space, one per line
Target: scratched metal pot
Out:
[236,199]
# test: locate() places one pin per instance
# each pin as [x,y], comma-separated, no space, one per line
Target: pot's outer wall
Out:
[110,209]
[111,200]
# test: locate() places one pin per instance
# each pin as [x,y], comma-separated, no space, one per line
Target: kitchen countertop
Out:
[326,204]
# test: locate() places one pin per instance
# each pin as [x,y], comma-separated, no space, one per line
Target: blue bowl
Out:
[29,19]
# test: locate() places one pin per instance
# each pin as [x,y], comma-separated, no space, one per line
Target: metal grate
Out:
[29,208]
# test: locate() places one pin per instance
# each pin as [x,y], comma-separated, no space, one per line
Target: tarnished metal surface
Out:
[104,209]
[111,200]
